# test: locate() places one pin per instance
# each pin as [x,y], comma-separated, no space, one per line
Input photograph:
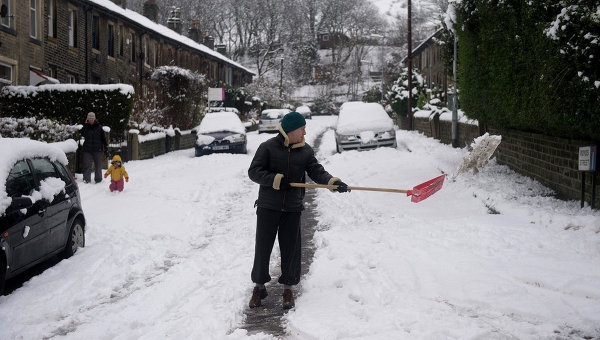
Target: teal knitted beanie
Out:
[291,121]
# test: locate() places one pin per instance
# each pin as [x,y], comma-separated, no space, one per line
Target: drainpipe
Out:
[88,11]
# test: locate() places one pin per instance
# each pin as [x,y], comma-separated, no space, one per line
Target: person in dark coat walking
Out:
[279,161]
[94,146]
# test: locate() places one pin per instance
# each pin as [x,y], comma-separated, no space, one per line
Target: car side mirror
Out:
[19,203]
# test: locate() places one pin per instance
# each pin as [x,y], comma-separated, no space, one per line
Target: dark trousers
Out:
[96,158]
[286,225]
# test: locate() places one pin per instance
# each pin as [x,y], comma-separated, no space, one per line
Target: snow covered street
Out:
[490,256]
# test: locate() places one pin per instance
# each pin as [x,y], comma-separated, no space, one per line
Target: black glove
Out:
[342,187]
[284,184]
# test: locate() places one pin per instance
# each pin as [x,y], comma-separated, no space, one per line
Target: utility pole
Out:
[382,66]
[281,81]
[454,101]
[410,113]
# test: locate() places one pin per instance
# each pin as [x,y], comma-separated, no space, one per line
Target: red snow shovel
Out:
[418,193]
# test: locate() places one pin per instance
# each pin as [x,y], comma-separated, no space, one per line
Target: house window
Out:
[111,40]
[71,79]
[5,74]
[325,37]
[72,28]
[33,18]
[145,56]
[52,71]
[121,40]
[96,32]
[155,55]
[6,20]
[52,18]
[132,47]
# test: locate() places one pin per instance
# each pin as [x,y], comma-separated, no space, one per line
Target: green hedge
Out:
[512,74]
[70,103]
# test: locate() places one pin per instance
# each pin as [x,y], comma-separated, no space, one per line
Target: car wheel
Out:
[2,274]
[76,239]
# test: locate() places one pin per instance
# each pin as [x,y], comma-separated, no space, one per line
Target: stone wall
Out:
[550,160]
[442,130]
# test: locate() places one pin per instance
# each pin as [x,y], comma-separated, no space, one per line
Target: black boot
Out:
[257,295]
[288,299]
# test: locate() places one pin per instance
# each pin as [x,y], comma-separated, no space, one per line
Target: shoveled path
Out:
[267,318]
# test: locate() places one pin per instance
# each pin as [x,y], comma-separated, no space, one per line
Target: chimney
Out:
[221,48]
[209,42]
[122,3]
[194,32]
[174,22]
[150,10]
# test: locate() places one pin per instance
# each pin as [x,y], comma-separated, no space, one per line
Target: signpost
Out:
[216,94]
[587,163]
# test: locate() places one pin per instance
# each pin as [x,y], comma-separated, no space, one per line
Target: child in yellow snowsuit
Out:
[117,173]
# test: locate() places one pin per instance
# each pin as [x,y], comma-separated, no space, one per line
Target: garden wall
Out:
[552,161]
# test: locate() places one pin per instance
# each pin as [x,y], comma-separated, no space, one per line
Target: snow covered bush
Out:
[176,99]
[37,129]
[398,94]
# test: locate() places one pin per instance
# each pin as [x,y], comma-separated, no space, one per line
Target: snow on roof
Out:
[355,117]
[15,149]
[221,121]
[163,30]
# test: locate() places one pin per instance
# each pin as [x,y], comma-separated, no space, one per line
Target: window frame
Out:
[96,32]
[110,40]
[52,20]
[72,27]
[6,21]
[7,81]
[33,19]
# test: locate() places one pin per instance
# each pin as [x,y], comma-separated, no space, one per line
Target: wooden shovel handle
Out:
[333,187]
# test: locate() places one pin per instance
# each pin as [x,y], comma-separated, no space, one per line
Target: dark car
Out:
[40,206]
[220,132]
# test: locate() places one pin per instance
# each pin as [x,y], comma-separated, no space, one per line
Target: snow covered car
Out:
[220,132]
[269,120]
[304,111]
[221,109]
[363,126]
[40,206]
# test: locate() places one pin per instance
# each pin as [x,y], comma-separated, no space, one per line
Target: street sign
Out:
[216,94]
[587,158]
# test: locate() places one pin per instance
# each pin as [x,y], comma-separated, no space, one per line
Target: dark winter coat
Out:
[276,159]
[94,139]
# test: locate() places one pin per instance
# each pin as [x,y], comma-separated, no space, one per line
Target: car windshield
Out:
[355,117]
[221,121]
[303,109]
[272,114]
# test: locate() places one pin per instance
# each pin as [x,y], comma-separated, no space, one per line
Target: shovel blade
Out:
[426,189]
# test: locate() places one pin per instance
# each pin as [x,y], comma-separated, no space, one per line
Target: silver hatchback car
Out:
[364,126]
[270,119]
